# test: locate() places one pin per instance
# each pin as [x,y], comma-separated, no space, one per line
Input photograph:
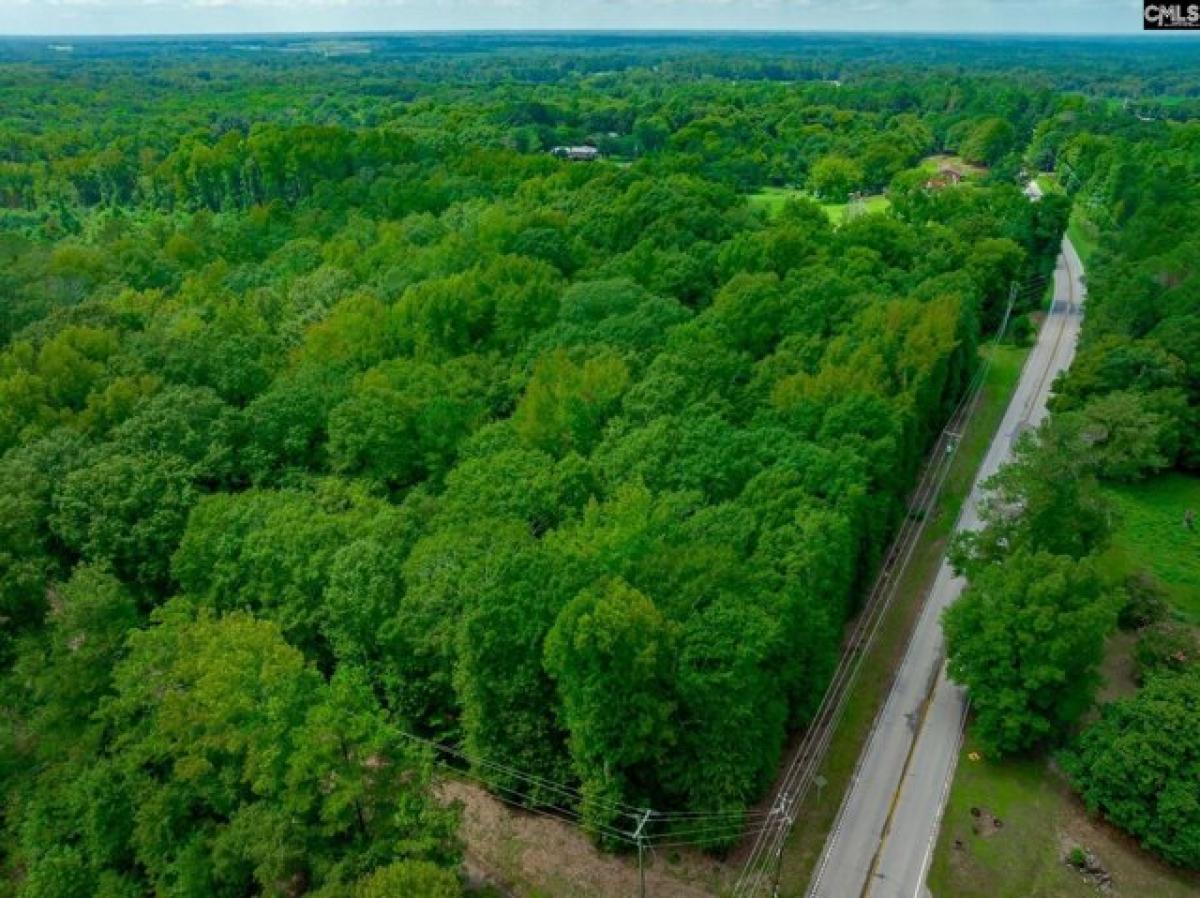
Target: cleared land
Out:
[968,170]
[1040,823]
[772,199]
[515,852]
[1152,536]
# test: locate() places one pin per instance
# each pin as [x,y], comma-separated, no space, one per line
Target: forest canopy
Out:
[336,411]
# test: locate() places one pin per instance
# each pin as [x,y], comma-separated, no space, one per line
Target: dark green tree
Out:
[1139,764]
[1026,639]
[611,653]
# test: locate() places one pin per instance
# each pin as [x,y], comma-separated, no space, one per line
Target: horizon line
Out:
[630,31]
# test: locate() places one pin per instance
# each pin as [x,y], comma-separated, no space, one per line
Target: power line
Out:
[767,850]
[770,827]
[560,814]
[699,837]
[701,827]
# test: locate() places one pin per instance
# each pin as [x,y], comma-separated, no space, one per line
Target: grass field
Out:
[772,200]
[1150,535]
[816,817]
[968,170]
[1048,181]
[1084,236]
[1041,822]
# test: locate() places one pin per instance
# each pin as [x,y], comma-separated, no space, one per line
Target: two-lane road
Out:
[884,835]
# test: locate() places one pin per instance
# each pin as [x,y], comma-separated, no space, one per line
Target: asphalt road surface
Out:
[883,839]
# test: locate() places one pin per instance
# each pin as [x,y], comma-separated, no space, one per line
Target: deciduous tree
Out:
[1026,640]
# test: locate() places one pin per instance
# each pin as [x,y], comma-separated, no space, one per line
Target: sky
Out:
[80,17]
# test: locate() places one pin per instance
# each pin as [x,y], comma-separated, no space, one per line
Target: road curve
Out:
[883,838]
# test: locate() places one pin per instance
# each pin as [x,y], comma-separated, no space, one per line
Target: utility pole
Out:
[783,809]
[640,837]
[1012,298]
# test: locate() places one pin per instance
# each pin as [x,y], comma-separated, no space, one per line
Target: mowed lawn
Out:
[1040,822]
[772,200]
[1151,535]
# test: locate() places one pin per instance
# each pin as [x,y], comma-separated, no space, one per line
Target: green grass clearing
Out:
[1150,536]
[1041,822]
[870,204]
[969,170]
[772,200]
[1048,181]
[1085,237]
[804,845]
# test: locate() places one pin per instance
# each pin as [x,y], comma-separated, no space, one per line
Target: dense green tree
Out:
[73,361]
[28,556]
[696,450]
[729,660]
[404,420]
[248,771]
[408,878]
[1138,765]
[191,423]
[287,426]
[834,177]
[988,141]
[750,311]
[1045,499]
[128,511]
[364,592]
[1165,646]
[567,402]
[234,352]
[526,484]
[1145,602]
[499,679]
[1026,640]
[89,618]
[272,552]
[443,574]
[1126,439]
[610,653]
[995,266]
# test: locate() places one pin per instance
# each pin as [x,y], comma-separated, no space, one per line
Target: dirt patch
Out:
[957,164]
[1086,864]
[527,855]
[984,823]
[1133,872]
[1118,669]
